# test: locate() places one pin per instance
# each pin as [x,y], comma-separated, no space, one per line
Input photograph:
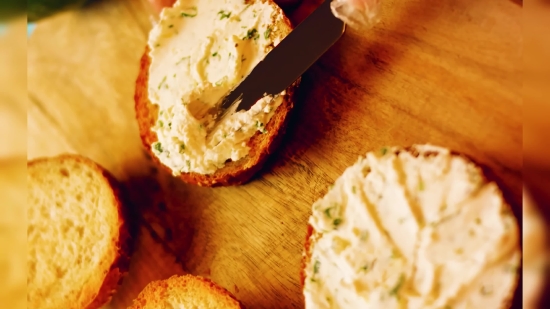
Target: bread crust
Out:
[233,173]
[151,291]
[312,235]
[124,243]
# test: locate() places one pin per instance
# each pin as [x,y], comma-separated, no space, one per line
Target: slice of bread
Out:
[185,292]
[261,145]
[397,213]
[77,238]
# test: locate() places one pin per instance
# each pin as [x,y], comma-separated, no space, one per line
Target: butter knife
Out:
[285,63]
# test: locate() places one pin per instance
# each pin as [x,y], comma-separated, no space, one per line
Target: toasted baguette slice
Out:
[77,237]
[398,210]
[185,292]
[261,145]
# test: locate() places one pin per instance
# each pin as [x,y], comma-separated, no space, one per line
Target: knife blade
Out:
[285,63]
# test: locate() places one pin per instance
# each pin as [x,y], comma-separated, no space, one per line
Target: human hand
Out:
[356,13]
[158,5]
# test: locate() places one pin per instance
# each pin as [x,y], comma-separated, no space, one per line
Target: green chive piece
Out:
[162,82]
[224,14]
[267,33]
[191,12]
[316,266]
[398,286]
[251,34]
[158,146]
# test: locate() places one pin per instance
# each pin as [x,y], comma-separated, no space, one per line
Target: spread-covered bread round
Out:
[77,238]
[197,52]
[186,291]
[415,228]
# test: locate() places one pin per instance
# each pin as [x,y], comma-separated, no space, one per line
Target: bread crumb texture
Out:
[74,232]
[189,292]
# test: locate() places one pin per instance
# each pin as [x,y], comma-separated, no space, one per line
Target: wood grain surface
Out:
[441,72]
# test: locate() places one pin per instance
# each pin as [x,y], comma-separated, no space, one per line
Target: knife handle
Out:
[288,4]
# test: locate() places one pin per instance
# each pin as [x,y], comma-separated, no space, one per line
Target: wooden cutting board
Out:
[441,72]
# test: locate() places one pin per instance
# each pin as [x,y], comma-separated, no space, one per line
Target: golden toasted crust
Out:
[261,145]
[155,293]
[312,235]
[306,256]
[123,244]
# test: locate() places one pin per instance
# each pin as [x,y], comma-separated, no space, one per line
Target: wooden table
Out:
[13,168]
[443,72]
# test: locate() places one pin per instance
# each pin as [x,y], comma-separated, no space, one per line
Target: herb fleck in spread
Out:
[157,146]
[224,14]
[190,12]
[398,286]
[162,82]
[251,34]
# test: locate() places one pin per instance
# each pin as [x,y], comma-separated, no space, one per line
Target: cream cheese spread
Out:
[200,50]
[412,229]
